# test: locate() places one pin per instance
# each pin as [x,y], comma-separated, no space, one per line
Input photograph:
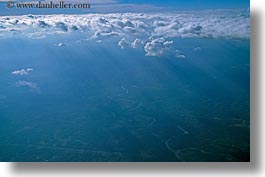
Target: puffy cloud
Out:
[137,43]
[62,26]
[201,24]
[137,26]
[99,34]
[22,72]
[123,43]
[42,24]
[190,29]
[157,47]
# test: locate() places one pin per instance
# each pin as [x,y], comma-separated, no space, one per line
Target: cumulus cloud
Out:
[22,72]
[123,43]
[157,47]
[135,27]
[137,43]
[205,24]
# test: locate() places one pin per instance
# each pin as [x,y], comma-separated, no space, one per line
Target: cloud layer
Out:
[205,24]
[152,32]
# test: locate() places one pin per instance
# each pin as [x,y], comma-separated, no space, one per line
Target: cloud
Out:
[205,24]
[22,72]
[157,47]
[28,84]
[197,49]
[62,26]
[161,47]
[180,55]
[123,43]
[61,44]
[154,32]
[137,43]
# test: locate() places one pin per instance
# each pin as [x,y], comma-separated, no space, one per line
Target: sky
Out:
[188,4]
[115,6]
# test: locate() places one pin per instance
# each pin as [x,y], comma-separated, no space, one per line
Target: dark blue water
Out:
[94,102]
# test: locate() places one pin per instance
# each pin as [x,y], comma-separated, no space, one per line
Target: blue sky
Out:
[193,4]
[112,6]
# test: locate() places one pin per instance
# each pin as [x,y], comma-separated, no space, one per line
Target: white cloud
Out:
[136,27]
[123,43]
[22,72]
[157,47]
[137,43]
[209,24]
